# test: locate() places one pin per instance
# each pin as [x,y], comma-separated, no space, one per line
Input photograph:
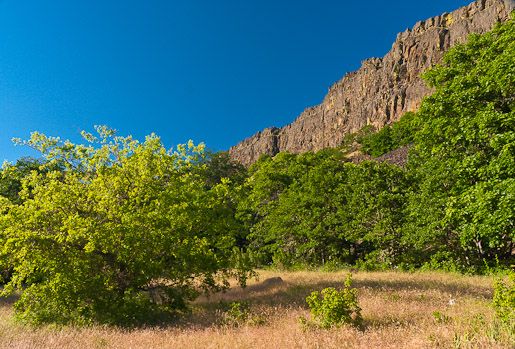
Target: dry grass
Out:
[397,308]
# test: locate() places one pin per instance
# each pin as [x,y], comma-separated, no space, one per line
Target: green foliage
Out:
[379,143]
[452,209]
[504,299]
[11,176]
[218,165]
[400,133]
[464,157]
[441,318]
[331,308]
[216,168]
[357,137]
[125,233]
[238,313]
[6,268]
[404,130]
[352,141]
[268,178]
[283,260]
[323,210]
[445,260]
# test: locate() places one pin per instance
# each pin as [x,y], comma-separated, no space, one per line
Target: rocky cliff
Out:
[382,90]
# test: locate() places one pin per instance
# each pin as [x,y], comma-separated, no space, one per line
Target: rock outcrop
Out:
[397,157]
[382,90]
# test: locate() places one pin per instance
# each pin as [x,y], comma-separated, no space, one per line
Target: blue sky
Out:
[211,71]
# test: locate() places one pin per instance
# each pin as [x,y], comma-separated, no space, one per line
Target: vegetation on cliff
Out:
[454,204]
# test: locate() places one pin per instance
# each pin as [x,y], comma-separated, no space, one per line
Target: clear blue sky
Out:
[211,71]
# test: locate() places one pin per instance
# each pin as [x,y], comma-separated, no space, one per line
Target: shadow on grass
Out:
[9,300]
[272,297]
[426,285]
[286,295]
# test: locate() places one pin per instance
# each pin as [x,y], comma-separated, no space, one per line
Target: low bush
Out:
[331,308]
[504,299]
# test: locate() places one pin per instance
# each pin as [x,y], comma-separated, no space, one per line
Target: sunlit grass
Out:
[399,310]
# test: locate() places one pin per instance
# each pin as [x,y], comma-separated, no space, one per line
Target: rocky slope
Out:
[382,90]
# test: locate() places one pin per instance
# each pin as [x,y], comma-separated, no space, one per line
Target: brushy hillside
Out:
[400,310]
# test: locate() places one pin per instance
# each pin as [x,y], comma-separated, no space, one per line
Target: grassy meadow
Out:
[400,310]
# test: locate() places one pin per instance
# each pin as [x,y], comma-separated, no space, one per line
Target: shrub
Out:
[238,313]
[441,318]
[332,308]
[504,299]
[389,138]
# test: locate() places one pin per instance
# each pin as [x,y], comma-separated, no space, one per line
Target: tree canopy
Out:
[124,232]
[464,157]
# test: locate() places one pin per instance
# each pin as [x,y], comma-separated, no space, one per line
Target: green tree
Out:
[219,165]
[376,208]
[125,232]
[388,138]
[268,177]
[404,130]
[305,220]
[216,168]
[316,208]
[464,158]
[11,176]
[377,144]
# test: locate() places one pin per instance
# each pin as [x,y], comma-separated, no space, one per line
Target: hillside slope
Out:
[382,90]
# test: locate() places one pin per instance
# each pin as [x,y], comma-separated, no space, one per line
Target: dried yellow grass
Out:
[397,310]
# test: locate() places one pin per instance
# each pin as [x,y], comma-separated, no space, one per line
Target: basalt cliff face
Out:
[382,90]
